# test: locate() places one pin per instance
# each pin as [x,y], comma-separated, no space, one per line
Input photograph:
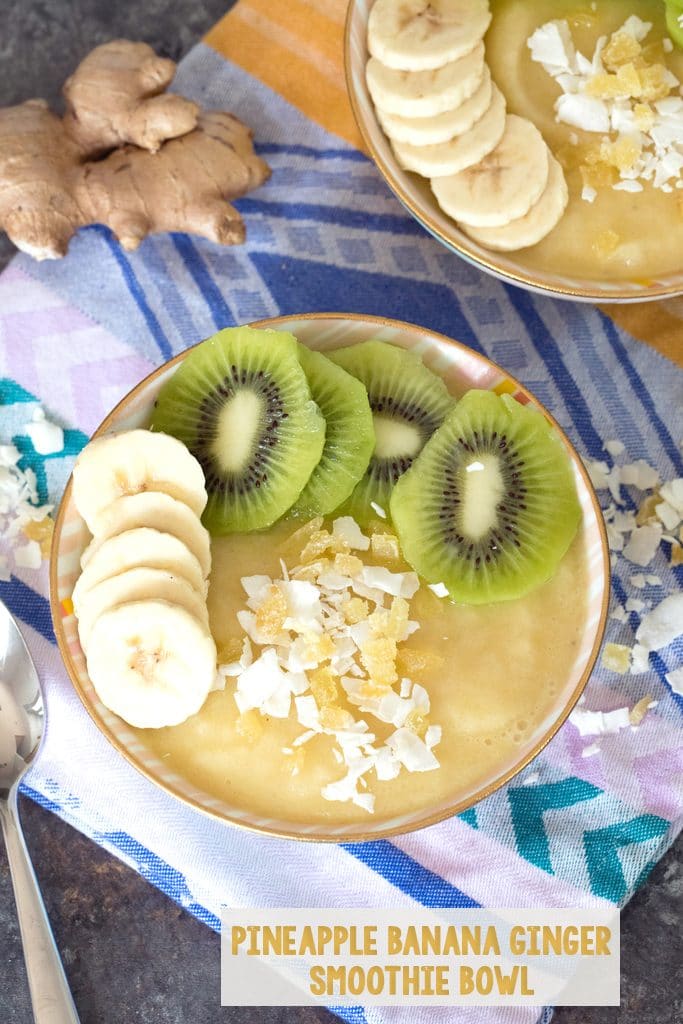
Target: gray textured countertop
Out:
[131,954]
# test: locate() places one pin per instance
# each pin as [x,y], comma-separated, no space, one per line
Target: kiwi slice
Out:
[349,437]
[241,403]
[408,403]
[490,506]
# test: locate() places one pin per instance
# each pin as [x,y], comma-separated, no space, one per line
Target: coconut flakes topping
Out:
[24,523]
[635,105]
[326,642]
[637,535]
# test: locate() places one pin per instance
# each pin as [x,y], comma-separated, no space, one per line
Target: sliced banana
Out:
[426,93]
[142,584]
[534,225]
[504,185]
[152,508]
[430,131]
[151,663]
[417,35]
[142,547]
[457,154]
[134,461]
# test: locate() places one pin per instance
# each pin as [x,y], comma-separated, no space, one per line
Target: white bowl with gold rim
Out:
[414,192]
[462,369]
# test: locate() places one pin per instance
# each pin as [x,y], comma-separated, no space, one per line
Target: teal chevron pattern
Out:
[528,805]
[74,440]
[11,392]
[601,845]
[51,471]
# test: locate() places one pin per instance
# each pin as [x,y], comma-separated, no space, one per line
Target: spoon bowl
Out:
[22,727]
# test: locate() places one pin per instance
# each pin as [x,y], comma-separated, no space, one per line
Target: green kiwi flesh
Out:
[408,404]
[349,435]
[489,508]
[241,403]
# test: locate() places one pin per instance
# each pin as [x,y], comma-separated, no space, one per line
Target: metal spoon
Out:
[22,725]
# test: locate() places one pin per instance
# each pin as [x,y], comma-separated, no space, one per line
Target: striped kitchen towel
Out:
[325,234]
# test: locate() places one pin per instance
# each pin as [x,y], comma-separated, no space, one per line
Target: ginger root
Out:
[116,95]
[177,172]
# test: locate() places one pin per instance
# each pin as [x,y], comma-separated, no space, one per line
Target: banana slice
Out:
[457,154]
[430,131]
[134,461]
[425,93]
[142,547]
[417,35]
[141,584]
[534,225]
[504,185]
[151,663]
[160,510]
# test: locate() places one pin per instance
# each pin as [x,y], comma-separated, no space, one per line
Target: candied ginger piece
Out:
[398,619]
[411,660]
[655,82]
[621,49]
[355,610]
[622,154]
[644,116]
[310,573]
[639,710]
[40,530]
[385,547]
[605,243]
[322,541]
[417,721]
[617,658]
[371,689]
[323,685]
[347,565]
[250,725]
[646,512]
[296,541]
[597,175]
[605,86]
[335,718]
[229,651]
[676,554]
[378,656]
[271,613]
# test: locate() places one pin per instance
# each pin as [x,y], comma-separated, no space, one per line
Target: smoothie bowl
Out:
[541,141]
[400,599]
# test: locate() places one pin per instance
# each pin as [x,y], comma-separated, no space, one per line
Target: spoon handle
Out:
[50,993]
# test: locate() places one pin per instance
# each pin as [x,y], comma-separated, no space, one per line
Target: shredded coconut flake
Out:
[323,643]
[46,437]
[598,723]
[663,624]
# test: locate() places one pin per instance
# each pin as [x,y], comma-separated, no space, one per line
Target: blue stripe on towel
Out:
[208,289]
[27,605]
[137,293]
[641,391]
[317,154]
[411,877]
[317,212]
[549,351]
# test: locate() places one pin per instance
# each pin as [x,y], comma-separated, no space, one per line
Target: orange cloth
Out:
[297,49]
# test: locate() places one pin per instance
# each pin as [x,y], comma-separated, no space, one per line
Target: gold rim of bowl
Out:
[462,247]
[429,818]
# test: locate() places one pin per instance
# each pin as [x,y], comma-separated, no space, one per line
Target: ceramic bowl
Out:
[462,369]
[416,195]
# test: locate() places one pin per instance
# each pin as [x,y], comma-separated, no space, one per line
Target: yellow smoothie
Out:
[492,673]
[621,235]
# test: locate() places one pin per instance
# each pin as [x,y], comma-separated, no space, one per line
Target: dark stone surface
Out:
[132,956]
